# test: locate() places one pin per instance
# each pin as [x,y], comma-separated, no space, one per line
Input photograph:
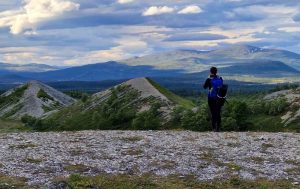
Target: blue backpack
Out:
[216,83]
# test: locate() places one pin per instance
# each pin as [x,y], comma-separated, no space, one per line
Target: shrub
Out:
[43,95]
[148,119]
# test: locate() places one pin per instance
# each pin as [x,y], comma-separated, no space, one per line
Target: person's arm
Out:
[207,83]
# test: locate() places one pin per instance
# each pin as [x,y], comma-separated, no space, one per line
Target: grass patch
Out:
[132,139]
[256,159]
[133,152]
[9,126]
[174,182]
[77,168]
[22,146]
[7,182]
[171,96]
[32,160]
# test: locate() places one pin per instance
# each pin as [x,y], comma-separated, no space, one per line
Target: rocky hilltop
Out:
[40,158]
[292,97]
[147,94]
[34,99]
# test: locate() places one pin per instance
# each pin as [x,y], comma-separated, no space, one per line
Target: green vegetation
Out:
[8,126]
[175,182]
[171,96]
[13,111]
[7,182]
[244,112]
[43,95]
[116,112]
[148,120]
[13,97]
[78,95]
[287,86]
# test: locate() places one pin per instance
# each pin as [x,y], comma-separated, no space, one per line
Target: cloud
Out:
[127,47]
[290,29]
[34,12]
[196,37]
[125,1]
[154,10]
[192,9]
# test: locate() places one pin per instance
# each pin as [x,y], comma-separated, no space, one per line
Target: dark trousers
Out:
[215,112]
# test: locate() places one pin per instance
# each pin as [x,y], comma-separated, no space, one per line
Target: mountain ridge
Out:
[32,99]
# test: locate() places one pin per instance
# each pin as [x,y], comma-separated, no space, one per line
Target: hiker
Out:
[214,83]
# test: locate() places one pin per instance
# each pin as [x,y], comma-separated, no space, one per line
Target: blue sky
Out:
[76,32]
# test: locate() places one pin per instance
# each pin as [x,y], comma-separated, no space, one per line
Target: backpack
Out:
[218,90]
[222,94]
[216,83]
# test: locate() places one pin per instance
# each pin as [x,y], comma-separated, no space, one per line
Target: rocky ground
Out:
[42,157]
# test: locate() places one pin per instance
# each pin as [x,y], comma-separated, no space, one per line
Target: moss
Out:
[174,182]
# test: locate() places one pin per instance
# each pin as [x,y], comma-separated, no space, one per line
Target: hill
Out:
[34,99]
[292,111]
[135,104]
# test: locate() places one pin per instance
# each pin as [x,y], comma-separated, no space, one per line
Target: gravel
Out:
[42,157]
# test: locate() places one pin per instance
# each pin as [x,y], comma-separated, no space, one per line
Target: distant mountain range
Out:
[11,68]
[232,61]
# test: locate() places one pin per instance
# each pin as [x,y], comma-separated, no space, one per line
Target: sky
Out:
[78,32]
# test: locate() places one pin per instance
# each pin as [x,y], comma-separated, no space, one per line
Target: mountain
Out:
[101,71]
[138,100]
[197,61]
[13,79]
[6,68]
[34,99]
[292,96]
[245,62]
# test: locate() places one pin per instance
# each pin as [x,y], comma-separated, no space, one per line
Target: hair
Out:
[213,70]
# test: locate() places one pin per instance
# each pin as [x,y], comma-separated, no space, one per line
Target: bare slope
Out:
[147,94]
[34,99]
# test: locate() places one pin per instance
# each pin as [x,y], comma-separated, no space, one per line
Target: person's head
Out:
[213,71]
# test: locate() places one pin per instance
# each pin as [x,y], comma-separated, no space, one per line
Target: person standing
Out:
[213,83]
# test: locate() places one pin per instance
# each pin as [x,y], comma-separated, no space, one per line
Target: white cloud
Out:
[127,47]
[290,29]
[125,1]
[34,12]
[192,9]
[154,10]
